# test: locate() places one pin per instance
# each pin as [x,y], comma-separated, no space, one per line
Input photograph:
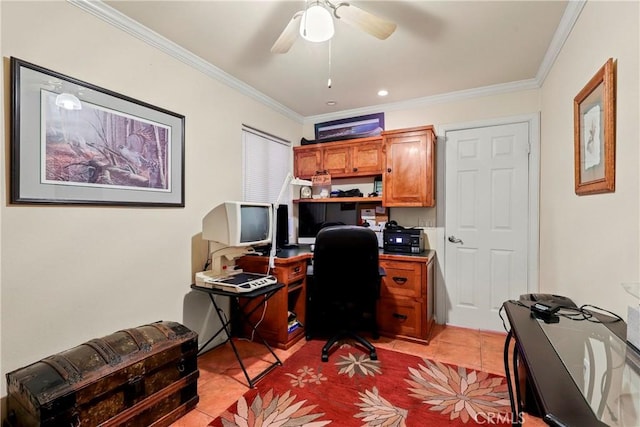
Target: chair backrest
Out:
[345,263]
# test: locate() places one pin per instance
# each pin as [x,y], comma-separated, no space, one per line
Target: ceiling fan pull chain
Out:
[329,81]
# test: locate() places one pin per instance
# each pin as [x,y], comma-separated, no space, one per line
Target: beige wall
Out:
[75,273]
[447,112]
[69,274]
[440,114]
[589,245]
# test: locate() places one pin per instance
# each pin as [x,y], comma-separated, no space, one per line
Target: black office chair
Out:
[345,285]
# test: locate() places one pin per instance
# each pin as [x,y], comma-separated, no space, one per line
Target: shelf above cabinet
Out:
[341,200]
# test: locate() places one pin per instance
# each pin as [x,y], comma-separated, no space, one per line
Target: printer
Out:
[403,240]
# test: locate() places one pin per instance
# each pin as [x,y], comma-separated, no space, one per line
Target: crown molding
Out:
[134,28]
[568,20]
[430,100]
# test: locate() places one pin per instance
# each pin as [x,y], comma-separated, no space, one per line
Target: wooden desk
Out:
[290,270]
[405,309]
[406,305]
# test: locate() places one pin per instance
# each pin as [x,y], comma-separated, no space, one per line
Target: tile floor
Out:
[222,382]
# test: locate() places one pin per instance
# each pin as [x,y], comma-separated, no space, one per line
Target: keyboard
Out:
[238,282]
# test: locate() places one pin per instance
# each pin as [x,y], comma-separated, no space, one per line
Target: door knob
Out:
[454,239]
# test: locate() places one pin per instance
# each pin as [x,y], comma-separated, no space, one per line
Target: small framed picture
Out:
[594,123]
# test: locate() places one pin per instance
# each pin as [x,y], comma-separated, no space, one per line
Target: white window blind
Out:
[266,162]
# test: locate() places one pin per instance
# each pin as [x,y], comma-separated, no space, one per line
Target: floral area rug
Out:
[353,390]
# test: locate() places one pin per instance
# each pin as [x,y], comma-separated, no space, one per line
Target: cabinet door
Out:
[405,308]
[408,179]
[337,160]
[402,279]
[307,161]
[402,317]
[367,158]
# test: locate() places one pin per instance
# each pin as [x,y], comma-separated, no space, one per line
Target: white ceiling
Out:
[438,48]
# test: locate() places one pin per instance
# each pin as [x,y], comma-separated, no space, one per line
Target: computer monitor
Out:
[312,217]
[233,228]
[238,224]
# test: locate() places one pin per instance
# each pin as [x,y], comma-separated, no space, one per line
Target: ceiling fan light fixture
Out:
[68,101]
[316,24]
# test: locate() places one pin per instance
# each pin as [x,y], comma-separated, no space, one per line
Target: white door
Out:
[486,224]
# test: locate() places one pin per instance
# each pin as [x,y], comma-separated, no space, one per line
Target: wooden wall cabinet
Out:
[342,159]
[406,159]
[409,176]
[405,308]
[292,272]
[307,161]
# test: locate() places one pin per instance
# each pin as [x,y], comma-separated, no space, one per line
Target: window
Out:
[266,162]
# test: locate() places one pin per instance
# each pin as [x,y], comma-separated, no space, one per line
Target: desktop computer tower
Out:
[282,223]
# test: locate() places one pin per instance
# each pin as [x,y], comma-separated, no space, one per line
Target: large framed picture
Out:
[594,125]
[76,143]
[354,127]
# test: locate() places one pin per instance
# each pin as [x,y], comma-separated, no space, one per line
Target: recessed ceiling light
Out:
[383,92]
[331,102]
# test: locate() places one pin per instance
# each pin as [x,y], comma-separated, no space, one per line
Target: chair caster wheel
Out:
[325,357]
[373,355]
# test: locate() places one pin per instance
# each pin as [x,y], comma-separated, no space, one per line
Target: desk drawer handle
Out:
[296,270]
[400,316]
[400,280]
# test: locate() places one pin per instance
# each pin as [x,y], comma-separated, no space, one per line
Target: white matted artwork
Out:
[594,123]
[76,143]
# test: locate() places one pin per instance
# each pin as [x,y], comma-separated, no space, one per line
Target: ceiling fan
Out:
[315,23]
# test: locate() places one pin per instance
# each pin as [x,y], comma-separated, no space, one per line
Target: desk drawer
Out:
[402,316]
[402,279]
[293,272]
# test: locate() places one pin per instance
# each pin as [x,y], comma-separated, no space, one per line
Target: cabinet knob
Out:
[388,170]
[355,169]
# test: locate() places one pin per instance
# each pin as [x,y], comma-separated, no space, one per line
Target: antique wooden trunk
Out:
[144,376]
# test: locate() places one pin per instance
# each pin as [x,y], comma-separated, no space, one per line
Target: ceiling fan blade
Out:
[365,21]
[289,35]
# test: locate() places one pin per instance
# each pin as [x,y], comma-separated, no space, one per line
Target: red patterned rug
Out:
[352,390]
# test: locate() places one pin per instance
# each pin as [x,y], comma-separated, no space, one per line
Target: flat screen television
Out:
[238,224]
[314,216]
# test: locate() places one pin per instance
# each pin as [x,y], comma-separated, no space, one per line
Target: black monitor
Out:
[314,216]
[282,223]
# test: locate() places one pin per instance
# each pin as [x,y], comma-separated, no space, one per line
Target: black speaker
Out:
[282,223]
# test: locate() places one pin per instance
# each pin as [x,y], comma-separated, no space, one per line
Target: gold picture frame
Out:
[594,127]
